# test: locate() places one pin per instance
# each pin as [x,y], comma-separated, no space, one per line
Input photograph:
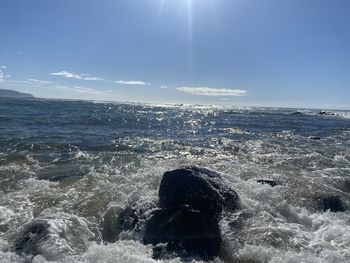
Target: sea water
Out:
[67,162]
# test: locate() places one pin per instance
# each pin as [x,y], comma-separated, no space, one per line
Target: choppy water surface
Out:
[68,161]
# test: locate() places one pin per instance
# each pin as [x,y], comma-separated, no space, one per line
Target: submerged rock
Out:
[333,204]
[184,229]
[191,201]
[117,220]
[315,138]
[297,113]
[53,237]
[28,240]
[128,220]
[63,171]
[270,182]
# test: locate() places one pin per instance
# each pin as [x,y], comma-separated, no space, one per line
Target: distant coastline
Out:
[5,93]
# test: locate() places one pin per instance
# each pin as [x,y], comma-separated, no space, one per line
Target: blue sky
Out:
[291,53]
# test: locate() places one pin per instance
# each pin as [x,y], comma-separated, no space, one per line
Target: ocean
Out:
[67,162]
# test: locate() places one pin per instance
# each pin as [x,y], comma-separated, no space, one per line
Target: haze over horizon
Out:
[290,53]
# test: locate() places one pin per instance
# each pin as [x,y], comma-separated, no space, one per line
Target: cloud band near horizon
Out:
[206,91]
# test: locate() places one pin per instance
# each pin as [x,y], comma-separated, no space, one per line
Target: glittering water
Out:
[68,161]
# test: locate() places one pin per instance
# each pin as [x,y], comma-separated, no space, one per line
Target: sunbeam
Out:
[188,11]
[190,34]
[160,9]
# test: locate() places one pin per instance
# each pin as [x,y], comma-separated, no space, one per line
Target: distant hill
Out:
[5,93]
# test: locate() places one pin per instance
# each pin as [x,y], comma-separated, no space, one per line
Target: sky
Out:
[288,53]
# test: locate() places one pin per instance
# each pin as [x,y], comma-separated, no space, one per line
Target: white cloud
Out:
[92,78]
[36,81]
[163,87]
[3,67]
[18,53]
[131,82]
[3,76]
[67,74]
[206,91]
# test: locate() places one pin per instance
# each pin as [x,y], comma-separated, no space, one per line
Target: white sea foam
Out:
[5,215]
[67,235]
[273,230]
[275,224]
[343,114]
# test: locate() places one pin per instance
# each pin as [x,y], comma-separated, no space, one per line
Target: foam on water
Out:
[273,230]
[5,215]
[127,251]
[67,171]
[343,114]
[276,231]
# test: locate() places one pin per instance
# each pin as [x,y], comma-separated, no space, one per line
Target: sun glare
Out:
[188,8]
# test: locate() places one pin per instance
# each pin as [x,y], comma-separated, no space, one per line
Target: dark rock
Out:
[186,231]
[117,220]
[267,181]
[333,204]
[29,238]
[315,138]
[191,202]
[322,112]
[200,188]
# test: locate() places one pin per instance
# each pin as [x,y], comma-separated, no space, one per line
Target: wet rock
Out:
[322,112]
[200,188]
[187,223]
[270,182]
[129,220]
[28,239]
[333,204]
[117,220]
[185,230]
[53,236]
[191,201]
